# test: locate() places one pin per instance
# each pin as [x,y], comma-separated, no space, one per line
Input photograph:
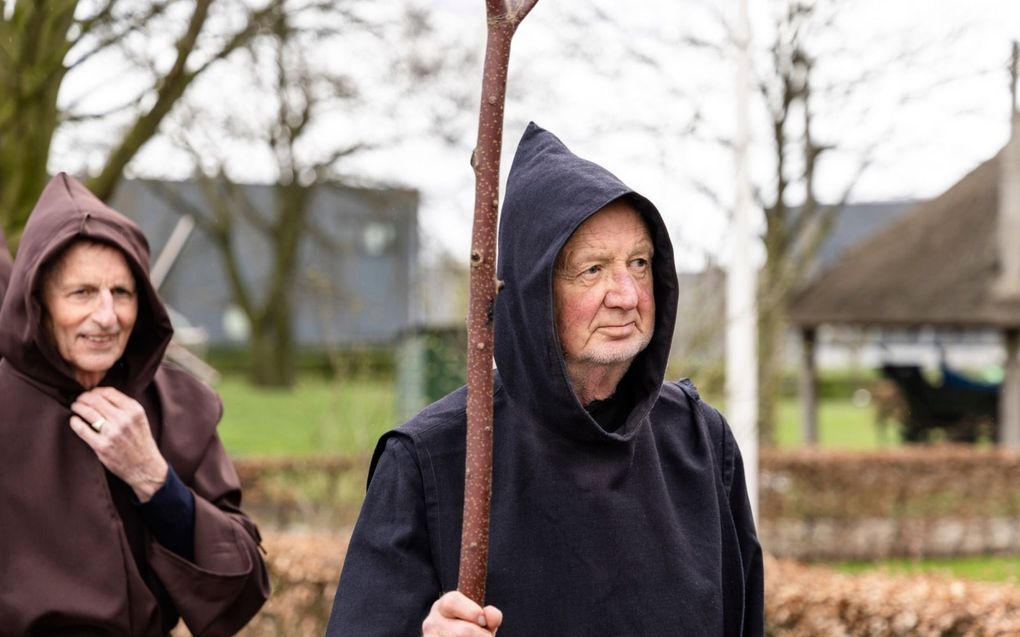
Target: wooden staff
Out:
[503,16]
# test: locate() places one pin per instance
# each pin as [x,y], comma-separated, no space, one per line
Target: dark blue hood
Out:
[550,192]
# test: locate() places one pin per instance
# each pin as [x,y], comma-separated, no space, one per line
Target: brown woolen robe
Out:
[6,263]
[75,558]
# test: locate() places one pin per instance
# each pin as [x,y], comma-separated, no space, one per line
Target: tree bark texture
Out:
[502,18]
[33,43]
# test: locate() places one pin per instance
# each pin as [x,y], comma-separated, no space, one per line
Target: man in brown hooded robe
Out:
[83,550]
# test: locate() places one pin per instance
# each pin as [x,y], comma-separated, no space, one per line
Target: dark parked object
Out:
[959,412]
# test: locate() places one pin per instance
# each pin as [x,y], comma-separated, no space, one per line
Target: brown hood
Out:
[6,263]
[66,211]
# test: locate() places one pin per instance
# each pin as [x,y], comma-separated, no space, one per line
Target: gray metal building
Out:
[356,268]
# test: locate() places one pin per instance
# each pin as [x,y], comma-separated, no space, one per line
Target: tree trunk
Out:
[771,329]
[272,341]
[23,164]
[275,367]
[272,351]
[771,302]
[35,38]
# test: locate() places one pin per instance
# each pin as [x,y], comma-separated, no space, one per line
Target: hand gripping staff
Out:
[502,18]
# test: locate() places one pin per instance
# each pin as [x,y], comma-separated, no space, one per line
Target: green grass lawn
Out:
[1002,568]
[321,416]
[317,417]
[841,424]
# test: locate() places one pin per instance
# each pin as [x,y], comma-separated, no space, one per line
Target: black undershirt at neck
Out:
[612,412]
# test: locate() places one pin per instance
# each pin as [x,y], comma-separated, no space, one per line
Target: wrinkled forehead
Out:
[77,252]
[618,218]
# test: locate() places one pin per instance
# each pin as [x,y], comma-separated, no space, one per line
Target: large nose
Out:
[623,290]
[103,313]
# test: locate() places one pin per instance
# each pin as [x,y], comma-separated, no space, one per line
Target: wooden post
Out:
[503,17]
[1007,285]
[808,388]
[741,278]
[1009,396]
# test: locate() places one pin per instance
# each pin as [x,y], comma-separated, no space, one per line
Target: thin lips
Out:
[100,337]
[620,326]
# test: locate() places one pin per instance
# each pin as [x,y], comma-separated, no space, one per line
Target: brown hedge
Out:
[803,601]
[800,601]
[304,568]
[910,481]
[922,481]
[915,501]
[304,493]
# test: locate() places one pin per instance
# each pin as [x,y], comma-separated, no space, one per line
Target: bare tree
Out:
[164,45]
[793,233]
[301,114]
[804,98]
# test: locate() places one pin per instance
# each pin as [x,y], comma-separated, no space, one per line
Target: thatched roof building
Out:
[952,262]
[937,266]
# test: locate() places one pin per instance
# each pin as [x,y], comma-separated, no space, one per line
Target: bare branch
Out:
[171,88]
[124,27]
[101,17]
[68,116]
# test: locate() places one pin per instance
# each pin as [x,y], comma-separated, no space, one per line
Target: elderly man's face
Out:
[605,305]
[92,305]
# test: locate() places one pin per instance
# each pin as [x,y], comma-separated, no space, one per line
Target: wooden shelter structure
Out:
[950,263]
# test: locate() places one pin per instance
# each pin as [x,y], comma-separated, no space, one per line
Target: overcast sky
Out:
[582,85]
[622,89]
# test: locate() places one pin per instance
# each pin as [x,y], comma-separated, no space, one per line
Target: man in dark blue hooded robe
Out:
[619,505]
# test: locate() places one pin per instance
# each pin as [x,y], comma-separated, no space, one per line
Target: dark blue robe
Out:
[635,523]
